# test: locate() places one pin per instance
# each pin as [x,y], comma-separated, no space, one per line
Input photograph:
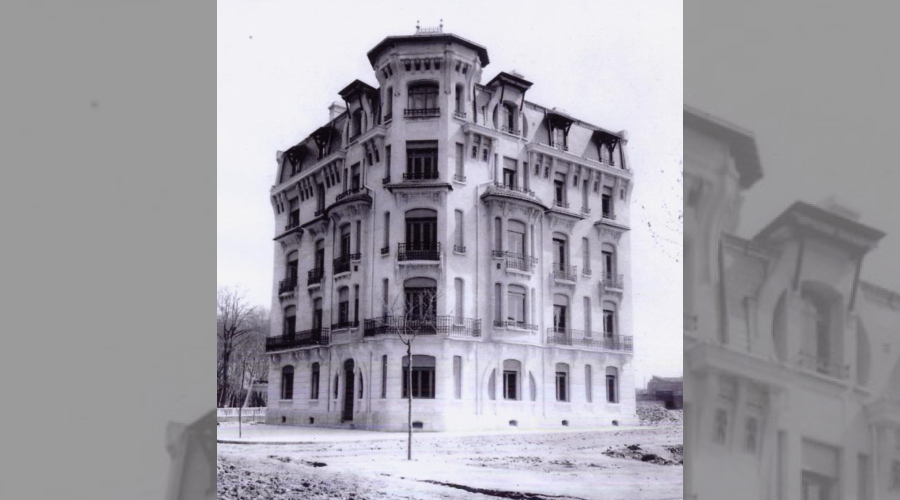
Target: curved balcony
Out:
[314,277]
[564,273]
[499,190]
[418,251]
[287,285]
[521,325]
[597,341]
[308,338]
[446,326]
[342,264]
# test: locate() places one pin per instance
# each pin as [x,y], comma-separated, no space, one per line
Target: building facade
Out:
[792,378]
[493,228]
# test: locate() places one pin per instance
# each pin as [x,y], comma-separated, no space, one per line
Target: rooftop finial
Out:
[429,30]
[417,26]
[442,25]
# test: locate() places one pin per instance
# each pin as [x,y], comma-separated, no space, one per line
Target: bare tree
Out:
[236,322]
[419,317]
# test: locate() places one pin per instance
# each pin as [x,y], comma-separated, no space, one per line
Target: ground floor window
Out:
[562,382]
[314,382]
[510,383]
[423,369]
[287,383]
[612,385]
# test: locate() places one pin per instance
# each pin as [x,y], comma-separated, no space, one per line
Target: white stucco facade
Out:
[513,216]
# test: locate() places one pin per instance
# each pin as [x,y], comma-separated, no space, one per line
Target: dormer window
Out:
[510,113]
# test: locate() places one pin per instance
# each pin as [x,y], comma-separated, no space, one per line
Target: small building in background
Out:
[667,391]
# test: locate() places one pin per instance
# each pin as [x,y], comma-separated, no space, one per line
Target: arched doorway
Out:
[347,415]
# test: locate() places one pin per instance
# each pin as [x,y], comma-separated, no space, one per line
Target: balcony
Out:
[608,215]
[511,131]
[828,367]
[342,264]
[294,223]
[445,326]
[459,249]
[459,178]
[388,117]
[351,192]
[422,113]
[460,114]
[418,251]
[586,210]
[425,175]
[520,262]
[345,325]
[564,273]
[385,250]
[314,277]
[355,257]
[521,325]
[386,181]
[498,254]
[579,338]
[308,338]
[287,285]
[613,282]
[561,204]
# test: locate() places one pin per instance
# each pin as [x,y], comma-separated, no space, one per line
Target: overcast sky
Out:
[617,65]
[817,83]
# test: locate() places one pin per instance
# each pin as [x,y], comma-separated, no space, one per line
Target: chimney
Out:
[335,110]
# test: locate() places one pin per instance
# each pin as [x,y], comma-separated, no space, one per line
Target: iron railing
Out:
[563,272]
[287,285]
[386,181]
[355,256]
[314,277]
[294,223]
[342,264]
[418,251]
[516,324]
[520,262]
[448,326]
[514,189]
[459,248]
[314,337]
[498,254]
[350,192]
[613,281]
[459,178]
[345,324]
[422,112]
[510,130]
[609,216]
[424,175]
[579,338]
[561,204]
[460,114]
[825,366]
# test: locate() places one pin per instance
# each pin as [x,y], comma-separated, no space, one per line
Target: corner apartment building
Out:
[792,377]
[494,228]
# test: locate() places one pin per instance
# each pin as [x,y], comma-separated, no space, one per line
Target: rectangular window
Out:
[752,435]
[457,377]
[611,392]
[458,283]
[356,303]
[422,382]
[721,426]
[385,304]
[608,265]
[384,370]
[476,145]
[421,160]
[607,202]
[498,307]
[510,385]
[562,386]
[559,190]
[587,316]
[586,250]
[510,172]
[585,203]
[515,238]
[345,241]
[516,307]
[314,390]
[387,162]
[355,179]
[358,237]
[459,232]
[387,229]
[294,217]
[460,162]
[559,254]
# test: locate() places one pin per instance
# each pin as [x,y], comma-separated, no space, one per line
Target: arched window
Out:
[314,382]
[562,382]
[290,321]
[612,384]
[423,377]
[511,377]
[422,98]
[287,383]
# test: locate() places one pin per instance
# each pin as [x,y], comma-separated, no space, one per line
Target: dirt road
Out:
[605,465]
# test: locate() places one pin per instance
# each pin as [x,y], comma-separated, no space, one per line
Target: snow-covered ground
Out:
[519,464]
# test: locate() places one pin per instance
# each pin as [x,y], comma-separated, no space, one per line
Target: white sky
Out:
[617,65]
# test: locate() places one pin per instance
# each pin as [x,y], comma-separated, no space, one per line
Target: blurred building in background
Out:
[793,386]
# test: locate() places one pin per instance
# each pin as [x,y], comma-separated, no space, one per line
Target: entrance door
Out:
[348,391]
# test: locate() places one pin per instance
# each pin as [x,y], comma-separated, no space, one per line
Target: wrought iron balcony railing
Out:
[355,256]
[828,367]
[516,324]
[287,285]
[561,204]
[345,324]
[609,215]
[350,192]
[448,326]
[425,175]
[563,272]
[520,262]
[418,251]
[314,277]
[459,178]
[415,113]
[294,223]
[459,248]
[578,338]
[614,281]
[510,130]
[460,114]
[342,264]
[314,337]
[514,189]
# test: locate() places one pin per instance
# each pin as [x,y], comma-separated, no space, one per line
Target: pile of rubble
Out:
[656,415]
[668,455]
